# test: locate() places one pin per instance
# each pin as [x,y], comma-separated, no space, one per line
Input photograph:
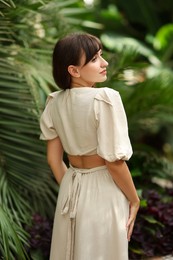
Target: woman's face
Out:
[94,71]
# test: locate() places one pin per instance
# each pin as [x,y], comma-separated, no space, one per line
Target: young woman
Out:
[97,201]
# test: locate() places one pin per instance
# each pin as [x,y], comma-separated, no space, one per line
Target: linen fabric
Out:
[88,121]
[92,212]
[90,217]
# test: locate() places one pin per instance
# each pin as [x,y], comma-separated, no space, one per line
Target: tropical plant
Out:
[138,19]
[25,181]
[143,75]
[26,184]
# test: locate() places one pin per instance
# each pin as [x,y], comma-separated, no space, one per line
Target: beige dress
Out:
[92,212]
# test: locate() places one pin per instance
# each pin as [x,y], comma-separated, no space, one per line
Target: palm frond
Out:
[130,47]
[7,3]
[27,33]
[13,237]
[145,83]
[21,147]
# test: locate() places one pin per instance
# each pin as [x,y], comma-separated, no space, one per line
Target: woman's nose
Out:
[104,63]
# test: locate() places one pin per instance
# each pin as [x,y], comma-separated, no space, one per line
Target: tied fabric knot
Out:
[70,203]
[70,206]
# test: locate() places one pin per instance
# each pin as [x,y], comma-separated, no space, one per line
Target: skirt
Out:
[90,217]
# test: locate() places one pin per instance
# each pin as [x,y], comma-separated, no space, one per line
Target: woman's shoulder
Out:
[52,96]
[107,95]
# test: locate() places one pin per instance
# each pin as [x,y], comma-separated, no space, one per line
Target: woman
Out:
[97,202]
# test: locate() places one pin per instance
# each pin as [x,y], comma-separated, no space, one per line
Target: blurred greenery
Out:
[137,37]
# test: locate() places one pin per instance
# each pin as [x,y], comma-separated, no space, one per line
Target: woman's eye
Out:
[94,58]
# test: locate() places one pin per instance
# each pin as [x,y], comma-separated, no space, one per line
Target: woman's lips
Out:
[104,72]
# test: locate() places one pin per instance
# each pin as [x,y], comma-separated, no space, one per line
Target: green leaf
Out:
[152,220]
[163,41]
[143,203]
[128,46]
[11,235]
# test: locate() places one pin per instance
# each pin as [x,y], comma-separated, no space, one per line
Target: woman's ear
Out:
[74,72]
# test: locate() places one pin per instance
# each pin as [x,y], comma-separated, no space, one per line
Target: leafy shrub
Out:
[153,231]
[40,237]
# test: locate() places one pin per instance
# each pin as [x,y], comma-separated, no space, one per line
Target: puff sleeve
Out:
[48,131]
[112,128]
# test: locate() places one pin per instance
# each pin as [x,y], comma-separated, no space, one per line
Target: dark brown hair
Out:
[68,51]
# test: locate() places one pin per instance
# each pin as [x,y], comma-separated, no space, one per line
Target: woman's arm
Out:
[122,177]
[55,158]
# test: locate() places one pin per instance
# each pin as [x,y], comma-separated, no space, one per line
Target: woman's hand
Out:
[122,177]
[133,209]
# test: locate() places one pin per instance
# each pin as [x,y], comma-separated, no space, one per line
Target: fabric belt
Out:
[70,203]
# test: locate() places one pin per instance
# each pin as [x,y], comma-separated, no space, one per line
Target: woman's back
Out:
[88,121]
[74,120]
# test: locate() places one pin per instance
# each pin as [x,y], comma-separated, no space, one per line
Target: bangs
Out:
[90,45]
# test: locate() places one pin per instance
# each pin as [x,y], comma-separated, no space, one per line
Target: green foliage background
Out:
[138,43]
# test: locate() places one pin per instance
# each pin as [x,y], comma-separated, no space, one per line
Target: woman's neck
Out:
[80,84]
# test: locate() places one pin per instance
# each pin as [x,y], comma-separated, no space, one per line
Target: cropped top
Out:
[88,121]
